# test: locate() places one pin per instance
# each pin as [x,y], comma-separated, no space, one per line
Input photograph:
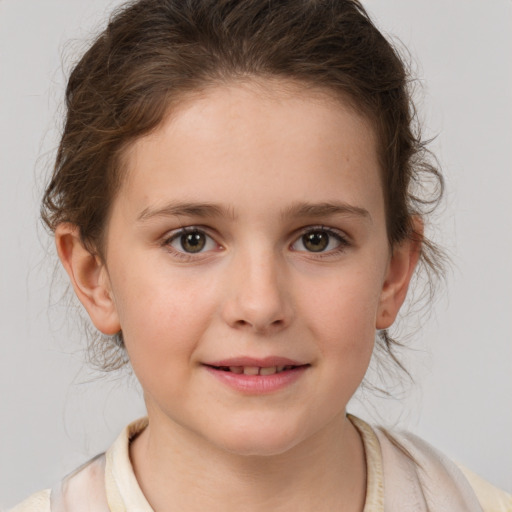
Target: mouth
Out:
[256,370]
[257,376]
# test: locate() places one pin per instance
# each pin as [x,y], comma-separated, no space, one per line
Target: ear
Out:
[89,278]
[399,273]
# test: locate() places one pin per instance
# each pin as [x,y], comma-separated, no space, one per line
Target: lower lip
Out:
[258,384]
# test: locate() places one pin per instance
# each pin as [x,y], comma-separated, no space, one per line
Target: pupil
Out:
[316,241]
[193,242]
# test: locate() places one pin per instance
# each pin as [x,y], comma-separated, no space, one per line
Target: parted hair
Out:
[155,52]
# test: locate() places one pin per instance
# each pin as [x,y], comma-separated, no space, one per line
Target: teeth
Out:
[255,370]
[251,370]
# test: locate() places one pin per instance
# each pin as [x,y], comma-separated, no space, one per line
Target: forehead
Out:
[292,141]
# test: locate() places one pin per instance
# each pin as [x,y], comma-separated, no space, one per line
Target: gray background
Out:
[55,413]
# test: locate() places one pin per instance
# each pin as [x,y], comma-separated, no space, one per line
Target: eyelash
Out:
[339,236]
[182,255]
[342,239]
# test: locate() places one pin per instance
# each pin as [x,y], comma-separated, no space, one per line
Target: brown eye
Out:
[320,240]
[193,242]
[316,241]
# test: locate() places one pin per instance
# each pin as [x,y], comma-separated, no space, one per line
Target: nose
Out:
[259,294]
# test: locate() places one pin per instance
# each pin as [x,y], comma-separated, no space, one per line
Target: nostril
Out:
[259,312]
[260,327]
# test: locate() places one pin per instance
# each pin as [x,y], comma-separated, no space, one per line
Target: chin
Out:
[258,440]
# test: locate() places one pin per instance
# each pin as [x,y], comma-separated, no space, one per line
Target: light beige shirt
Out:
[110,479]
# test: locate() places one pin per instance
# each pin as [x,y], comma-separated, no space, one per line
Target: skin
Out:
[268,156]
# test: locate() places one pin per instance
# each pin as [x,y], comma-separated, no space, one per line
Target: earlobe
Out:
[400,270]
[89,278]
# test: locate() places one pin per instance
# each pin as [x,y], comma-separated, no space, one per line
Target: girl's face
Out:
[248,265]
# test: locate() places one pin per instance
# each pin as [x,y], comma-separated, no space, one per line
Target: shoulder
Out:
[104,483]
[438,479]
[407,473]
[82,490]
[491,498]
[38,502]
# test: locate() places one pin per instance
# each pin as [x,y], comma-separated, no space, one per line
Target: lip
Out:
[257,384]
[265,362]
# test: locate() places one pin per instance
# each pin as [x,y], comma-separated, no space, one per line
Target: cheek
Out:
[162,318]
[342,313]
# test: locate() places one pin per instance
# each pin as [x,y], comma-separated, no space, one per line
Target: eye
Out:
[319,240]
[191,241]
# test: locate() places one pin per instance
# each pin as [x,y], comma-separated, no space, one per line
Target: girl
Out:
[236,202]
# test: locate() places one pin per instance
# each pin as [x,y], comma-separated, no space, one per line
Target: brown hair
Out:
[153,52]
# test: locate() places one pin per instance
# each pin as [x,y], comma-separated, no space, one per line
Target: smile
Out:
[257,376]
[255,370]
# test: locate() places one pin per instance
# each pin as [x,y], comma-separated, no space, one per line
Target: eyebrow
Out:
[299,209]
[185,209]
[325,209]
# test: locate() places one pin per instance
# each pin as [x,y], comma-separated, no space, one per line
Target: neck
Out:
[323,473]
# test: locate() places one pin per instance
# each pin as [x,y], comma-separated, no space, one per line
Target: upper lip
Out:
[266,362]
